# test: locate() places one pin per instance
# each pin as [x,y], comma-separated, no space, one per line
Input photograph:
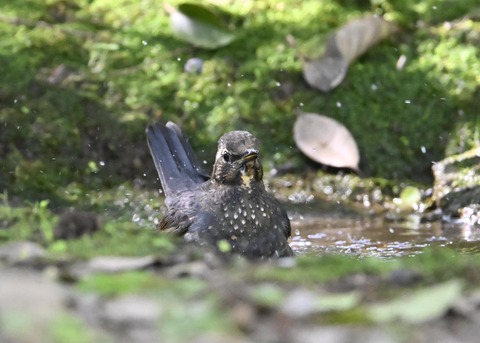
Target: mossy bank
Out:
[81,79]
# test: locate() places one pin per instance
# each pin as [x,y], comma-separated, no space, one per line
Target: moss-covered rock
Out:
[457,183]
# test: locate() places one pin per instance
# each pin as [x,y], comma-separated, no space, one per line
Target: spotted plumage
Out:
[232,205]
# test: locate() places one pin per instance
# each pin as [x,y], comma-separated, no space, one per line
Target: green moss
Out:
[124,283]
[207,318]
[68,328]
[34,222]
[311,270]
[117,235]
[117,238]
[188,309]
[123,68]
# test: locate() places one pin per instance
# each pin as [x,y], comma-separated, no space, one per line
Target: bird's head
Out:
[237,161]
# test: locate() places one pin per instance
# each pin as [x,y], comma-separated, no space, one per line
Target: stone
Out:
[457,182]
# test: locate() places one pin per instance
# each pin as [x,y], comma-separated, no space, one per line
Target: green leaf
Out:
[410,195]
[224,246]
[422,306]
[200,26]
[268,295]
[338,302]
[202,14]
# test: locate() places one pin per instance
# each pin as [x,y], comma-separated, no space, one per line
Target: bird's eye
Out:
[226,157]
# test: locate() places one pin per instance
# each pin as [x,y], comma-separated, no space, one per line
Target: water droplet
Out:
[401,62]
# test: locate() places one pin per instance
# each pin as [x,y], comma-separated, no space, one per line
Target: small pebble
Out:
[193,65]
[76,224]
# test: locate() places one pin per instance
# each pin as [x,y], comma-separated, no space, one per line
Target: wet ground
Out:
[321,227]
[188,296]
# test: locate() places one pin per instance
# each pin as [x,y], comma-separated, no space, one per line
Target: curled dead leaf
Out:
[341,48]
[326,141]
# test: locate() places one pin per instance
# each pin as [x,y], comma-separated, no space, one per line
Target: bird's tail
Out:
[174,158]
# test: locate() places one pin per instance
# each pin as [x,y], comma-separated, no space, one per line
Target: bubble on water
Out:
[318,235]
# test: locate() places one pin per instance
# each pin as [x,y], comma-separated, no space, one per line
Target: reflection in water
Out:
[333,230]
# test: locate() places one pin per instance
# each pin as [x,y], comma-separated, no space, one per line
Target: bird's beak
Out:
[250,155]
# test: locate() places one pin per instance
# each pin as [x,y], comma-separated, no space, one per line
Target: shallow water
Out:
[320,227]
[326,228]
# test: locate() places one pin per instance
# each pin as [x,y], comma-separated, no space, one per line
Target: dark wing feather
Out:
[174,159]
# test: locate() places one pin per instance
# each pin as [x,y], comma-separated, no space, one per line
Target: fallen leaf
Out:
[338,302]
[199,25]
[410,196]
[302,303]
[422,306]
[357,36]
[327,69]
[267,295]
[326,141]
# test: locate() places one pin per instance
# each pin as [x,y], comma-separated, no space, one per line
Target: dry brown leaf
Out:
[326,141]
[341,48]
[356,37]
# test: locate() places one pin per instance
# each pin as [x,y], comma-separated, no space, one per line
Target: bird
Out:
[230,210]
